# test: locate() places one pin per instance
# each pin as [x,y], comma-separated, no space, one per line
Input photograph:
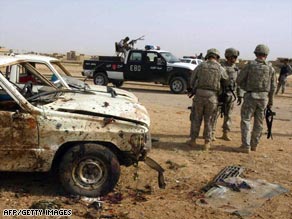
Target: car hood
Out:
[182,65]
[100,105]
[78,84]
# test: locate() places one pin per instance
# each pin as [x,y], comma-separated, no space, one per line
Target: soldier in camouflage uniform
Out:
[205,81]
[258,79]
[284,73]
[229,87]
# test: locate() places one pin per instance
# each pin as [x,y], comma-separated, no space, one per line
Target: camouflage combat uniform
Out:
[206,81]
[231,88]
[284,73]
[258,79]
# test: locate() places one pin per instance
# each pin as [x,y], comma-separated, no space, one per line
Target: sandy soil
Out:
[186,169]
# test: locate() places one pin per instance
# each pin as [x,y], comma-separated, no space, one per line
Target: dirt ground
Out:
[187,169]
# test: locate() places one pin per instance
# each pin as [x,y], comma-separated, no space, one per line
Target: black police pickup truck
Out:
[140,65]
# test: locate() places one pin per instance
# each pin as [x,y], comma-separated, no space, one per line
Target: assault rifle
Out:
[132,42]
[269,114]
[224,99]
[191,92]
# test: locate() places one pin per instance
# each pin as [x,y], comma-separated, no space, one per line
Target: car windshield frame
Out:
[186,60]
[64,72]
[169,57]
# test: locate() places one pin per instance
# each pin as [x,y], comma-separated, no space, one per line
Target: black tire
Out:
[100,78]
[178,85]
[89,170]
[118,83]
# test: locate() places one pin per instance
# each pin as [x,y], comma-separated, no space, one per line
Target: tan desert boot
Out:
[226,137]
[243,149]
[192,142]
[207,145]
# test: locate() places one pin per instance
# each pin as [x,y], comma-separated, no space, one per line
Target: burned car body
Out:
[85,136]
[53,69]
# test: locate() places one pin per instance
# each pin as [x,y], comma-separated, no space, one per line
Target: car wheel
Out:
[178,85]
[89,170]
[100,78]
[118,83]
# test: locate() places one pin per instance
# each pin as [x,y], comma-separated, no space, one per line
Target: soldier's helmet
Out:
[231,52]
[262,49]
[212,51]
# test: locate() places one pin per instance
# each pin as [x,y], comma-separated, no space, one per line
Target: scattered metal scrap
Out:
[154,165]
[234,184]
[229,171]
[230,193]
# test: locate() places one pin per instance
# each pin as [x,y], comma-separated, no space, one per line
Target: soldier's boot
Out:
[192,142]
[283,89]
[226,136]
[213,137]
[207,145]
[253,148]
[277,91]
[243,149]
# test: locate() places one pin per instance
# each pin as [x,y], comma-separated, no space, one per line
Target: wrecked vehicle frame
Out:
[86,137]
[53,70]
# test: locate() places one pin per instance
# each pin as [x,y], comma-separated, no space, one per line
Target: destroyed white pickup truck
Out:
[53,69]
[84,136]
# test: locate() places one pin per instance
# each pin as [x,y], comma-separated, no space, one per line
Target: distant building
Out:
[71,55]
[58,55]
[80,57]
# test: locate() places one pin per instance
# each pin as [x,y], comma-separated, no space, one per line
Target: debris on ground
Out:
[154,165]
[72,200]
[194,195]
[91,215]
[230,193]
[97,205]
[21,193]
[234,183]
[139,197]
[229,171]
[173,166]
[46,204]
[113,198]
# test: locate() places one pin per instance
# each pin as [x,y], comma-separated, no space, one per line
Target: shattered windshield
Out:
[60,69]
[47,96]
[169,57]
[67,77]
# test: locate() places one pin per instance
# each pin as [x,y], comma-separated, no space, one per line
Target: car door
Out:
[135,68]
[155,66]
[19,138]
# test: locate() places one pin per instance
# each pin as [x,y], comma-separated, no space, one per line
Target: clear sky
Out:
[184,27]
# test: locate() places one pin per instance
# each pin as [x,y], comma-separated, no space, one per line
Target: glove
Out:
[239,100]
